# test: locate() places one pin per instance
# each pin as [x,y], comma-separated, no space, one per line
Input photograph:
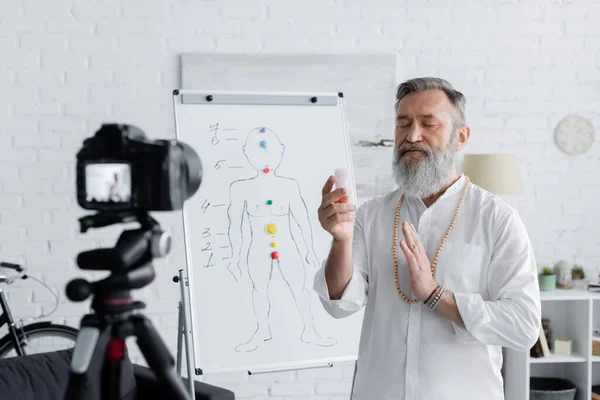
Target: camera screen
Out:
[108,182]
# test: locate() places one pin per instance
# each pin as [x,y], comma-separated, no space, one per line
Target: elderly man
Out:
[444,269]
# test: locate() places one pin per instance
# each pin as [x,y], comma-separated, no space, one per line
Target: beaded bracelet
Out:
[432,294]
[437,298]
[435,292]
[441,296]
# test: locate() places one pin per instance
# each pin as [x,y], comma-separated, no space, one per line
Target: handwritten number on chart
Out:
[207,247]
[214,128]
[218,164]
[206,233]
[208,264]
[205,206]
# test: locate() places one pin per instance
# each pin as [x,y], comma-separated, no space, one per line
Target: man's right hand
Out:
[336,213]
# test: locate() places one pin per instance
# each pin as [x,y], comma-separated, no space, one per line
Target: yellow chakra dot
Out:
[271,228]
[273,244]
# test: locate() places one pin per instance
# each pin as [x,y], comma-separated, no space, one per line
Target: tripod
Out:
[98,358]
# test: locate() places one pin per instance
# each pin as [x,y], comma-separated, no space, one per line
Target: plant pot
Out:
[579,283]
[547,282]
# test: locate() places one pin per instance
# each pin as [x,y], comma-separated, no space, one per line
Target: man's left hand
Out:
[422,283]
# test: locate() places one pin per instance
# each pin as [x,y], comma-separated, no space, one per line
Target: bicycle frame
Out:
[6,318]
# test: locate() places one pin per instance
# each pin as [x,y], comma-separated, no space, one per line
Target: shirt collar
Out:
[451,191]
[455,187]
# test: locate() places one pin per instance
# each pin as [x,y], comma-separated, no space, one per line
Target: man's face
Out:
[425,122]
[425,142]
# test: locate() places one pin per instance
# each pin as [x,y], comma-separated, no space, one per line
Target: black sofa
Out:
[45,376]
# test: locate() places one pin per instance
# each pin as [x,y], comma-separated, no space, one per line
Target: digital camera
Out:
[120,169]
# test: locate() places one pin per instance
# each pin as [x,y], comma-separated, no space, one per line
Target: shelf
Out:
[569,294]
[552,358]
[573,314]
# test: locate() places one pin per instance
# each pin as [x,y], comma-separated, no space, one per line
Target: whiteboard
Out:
[265,158]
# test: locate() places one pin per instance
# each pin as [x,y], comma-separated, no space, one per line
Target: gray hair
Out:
[457,99]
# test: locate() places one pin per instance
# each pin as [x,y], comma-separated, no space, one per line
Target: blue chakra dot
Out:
[263,144]
[262,130]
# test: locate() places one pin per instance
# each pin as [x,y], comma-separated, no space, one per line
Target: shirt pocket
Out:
[460,267]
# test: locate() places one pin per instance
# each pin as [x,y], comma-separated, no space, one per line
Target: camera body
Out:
[120,169]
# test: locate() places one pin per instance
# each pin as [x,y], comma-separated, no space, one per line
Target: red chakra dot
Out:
[275,255]
[266,170]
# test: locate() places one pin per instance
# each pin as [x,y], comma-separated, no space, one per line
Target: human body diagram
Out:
[273,209]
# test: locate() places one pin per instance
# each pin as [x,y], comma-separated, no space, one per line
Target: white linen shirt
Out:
[410,352]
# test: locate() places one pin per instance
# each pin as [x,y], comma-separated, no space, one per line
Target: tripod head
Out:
[130,261]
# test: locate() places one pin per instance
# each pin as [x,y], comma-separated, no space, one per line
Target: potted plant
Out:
[547,280]
[578,276]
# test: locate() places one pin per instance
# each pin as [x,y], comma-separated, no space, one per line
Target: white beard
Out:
[427,175]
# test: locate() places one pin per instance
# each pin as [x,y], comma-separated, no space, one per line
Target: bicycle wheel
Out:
[41,337]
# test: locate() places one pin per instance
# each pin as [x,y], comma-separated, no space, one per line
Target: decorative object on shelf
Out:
[536,351]
[544,342]
[593,286]
[546,388]
[547,331]
[547,280]
[596,342]
[574,135]
[578,276]
[562,346]
[577,272]
[540,348]
[496,173]
[596,392]
[564,276]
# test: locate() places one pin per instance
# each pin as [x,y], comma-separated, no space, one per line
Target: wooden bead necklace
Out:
[437,255]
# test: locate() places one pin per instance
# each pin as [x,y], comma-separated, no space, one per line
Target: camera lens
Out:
[194,169]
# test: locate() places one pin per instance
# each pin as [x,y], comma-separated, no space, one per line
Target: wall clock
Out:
[574,135]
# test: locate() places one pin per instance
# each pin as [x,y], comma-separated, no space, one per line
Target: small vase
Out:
[579,283]
[547,282]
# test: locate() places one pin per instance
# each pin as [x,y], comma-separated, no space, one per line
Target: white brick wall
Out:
[66,66]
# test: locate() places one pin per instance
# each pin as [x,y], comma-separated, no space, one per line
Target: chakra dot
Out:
[273,244]
[262,130]
[269,202]
[271,228]
[263,144]
[274,255]
[266,170]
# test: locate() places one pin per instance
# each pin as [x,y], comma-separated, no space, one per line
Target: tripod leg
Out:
[180,332]
[184,325]
[158,357]
[87,362]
